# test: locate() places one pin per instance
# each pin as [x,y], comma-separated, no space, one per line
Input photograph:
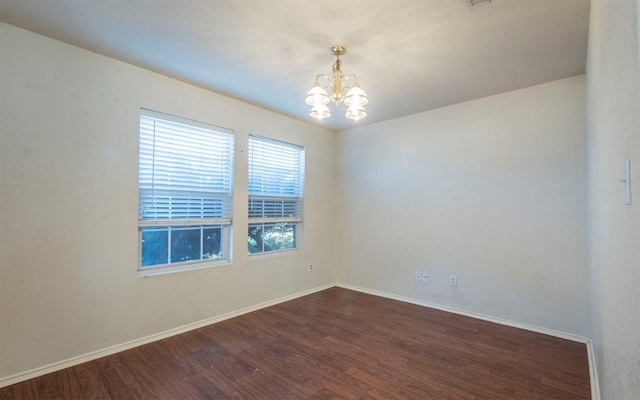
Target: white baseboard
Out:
[593,374]
[70,362]
[497,320]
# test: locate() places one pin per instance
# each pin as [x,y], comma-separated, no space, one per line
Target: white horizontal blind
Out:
[276,180]
[185,171]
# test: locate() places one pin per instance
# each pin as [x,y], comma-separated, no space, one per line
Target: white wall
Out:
[68,206]
[492,190]
[613,94]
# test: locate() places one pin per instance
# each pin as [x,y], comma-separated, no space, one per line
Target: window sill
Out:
[149,272]
[271,254]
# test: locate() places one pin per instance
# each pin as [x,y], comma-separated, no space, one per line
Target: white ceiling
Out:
[409,55]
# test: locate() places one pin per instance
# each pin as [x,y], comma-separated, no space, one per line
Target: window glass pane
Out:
[255,239]
[155,249]
[185,244]
[279,237]
[271,237]
[212,243]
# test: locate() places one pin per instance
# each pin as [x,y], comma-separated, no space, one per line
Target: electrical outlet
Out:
[418,276]
[425,277]
[453,280]
[310,267]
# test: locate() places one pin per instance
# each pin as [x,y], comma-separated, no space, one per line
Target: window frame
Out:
[296,220]
[224,222]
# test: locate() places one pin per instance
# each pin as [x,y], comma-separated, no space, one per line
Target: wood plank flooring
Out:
[334,344]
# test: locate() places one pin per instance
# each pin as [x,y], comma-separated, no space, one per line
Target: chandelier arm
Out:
[350,76]
[329,82]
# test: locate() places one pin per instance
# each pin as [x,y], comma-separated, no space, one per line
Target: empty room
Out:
[288,199]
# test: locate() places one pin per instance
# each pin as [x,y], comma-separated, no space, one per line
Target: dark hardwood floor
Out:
[334,344]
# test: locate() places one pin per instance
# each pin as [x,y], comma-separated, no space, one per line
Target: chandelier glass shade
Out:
[320,96]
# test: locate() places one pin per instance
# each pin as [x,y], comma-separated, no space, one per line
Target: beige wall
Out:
[492,190]
[68,206]
[613,87]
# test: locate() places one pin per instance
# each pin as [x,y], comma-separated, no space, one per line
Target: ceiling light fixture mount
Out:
[318,97]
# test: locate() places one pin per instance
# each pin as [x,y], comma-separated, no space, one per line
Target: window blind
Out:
[185,171]
[276,180]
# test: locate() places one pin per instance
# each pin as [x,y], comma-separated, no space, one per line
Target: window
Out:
[276,185]
[185,181]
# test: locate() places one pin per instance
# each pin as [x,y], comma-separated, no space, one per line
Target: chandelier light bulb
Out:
[356,97]
[317,96]
[320,96]
[320,111]
[356,113]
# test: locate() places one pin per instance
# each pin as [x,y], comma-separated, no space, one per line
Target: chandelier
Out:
[355,99]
